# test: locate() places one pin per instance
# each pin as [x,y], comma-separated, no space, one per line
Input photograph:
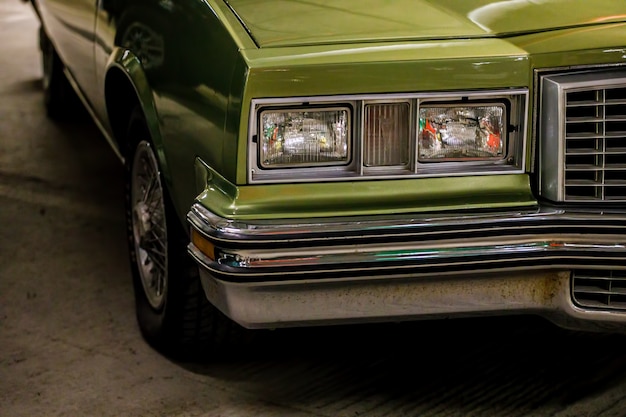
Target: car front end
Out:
[386,170]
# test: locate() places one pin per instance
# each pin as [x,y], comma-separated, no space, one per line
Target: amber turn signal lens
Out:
[203,244]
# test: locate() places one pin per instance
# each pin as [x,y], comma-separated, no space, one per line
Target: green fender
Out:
[126,61]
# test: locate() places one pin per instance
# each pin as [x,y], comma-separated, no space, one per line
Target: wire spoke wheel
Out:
[149,225]
[173,312]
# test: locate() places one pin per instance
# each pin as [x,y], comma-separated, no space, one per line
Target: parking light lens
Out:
[386,135]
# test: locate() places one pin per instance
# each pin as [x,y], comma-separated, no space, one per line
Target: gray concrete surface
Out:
[69,344]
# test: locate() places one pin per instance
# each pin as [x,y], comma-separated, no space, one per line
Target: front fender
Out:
[127,85]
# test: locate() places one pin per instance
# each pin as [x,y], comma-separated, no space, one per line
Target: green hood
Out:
[313,22]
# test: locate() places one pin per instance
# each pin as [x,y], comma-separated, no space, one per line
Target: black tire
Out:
[172,311]
[60,99]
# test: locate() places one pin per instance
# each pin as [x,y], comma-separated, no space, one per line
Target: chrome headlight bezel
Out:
[514,104]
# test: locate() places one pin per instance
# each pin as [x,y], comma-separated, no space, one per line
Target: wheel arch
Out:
[126,87]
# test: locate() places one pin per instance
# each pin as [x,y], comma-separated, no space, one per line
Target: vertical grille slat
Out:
[588,161]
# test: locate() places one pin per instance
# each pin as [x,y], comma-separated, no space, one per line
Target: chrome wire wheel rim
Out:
[148,224]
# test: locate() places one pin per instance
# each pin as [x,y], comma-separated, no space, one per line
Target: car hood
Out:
[275,23]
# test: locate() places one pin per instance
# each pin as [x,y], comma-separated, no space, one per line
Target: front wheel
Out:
[172,311]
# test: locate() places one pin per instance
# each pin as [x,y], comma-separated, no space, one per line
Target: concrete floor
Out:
[69,344]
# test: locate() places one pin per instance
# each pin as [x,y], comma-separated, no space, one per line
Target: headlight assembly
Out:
[461,132]
[310,137]
[387,136]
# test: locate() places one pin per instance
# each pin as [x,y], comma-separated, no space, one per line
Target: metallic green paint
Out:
[359,198]
[197,99]
[582,46]
[127,62]
[380,68]
[277,23]
[424,66]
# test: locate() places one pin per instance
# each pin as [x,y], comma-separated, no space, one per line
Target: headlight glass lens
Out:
[460,132]
[292,138]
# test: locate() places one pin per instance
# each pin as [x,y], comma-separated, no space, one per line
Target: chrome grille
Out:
[595,144]
[583,136]
[599,289]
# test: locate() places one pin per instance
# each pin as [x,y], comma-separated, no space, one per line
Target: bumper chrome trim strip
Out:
[394,245]
[337,229]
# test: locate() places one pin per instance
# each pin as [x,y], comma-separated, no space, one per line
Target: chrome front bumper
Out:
[291,273]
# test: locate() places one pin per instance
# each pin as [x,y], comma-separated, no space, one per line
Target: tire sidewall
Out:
[157,325]
[186,326]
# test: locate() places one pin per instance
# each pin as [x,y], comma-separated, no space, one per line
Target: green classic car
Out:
[299,163]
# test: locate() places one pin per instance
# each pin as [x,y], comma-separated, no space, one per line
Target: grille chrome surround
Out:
[582,136]
[599,289]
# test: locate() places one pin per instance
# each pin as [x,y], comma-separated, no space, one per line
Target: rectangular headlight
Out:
[451,132]
[304,137]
